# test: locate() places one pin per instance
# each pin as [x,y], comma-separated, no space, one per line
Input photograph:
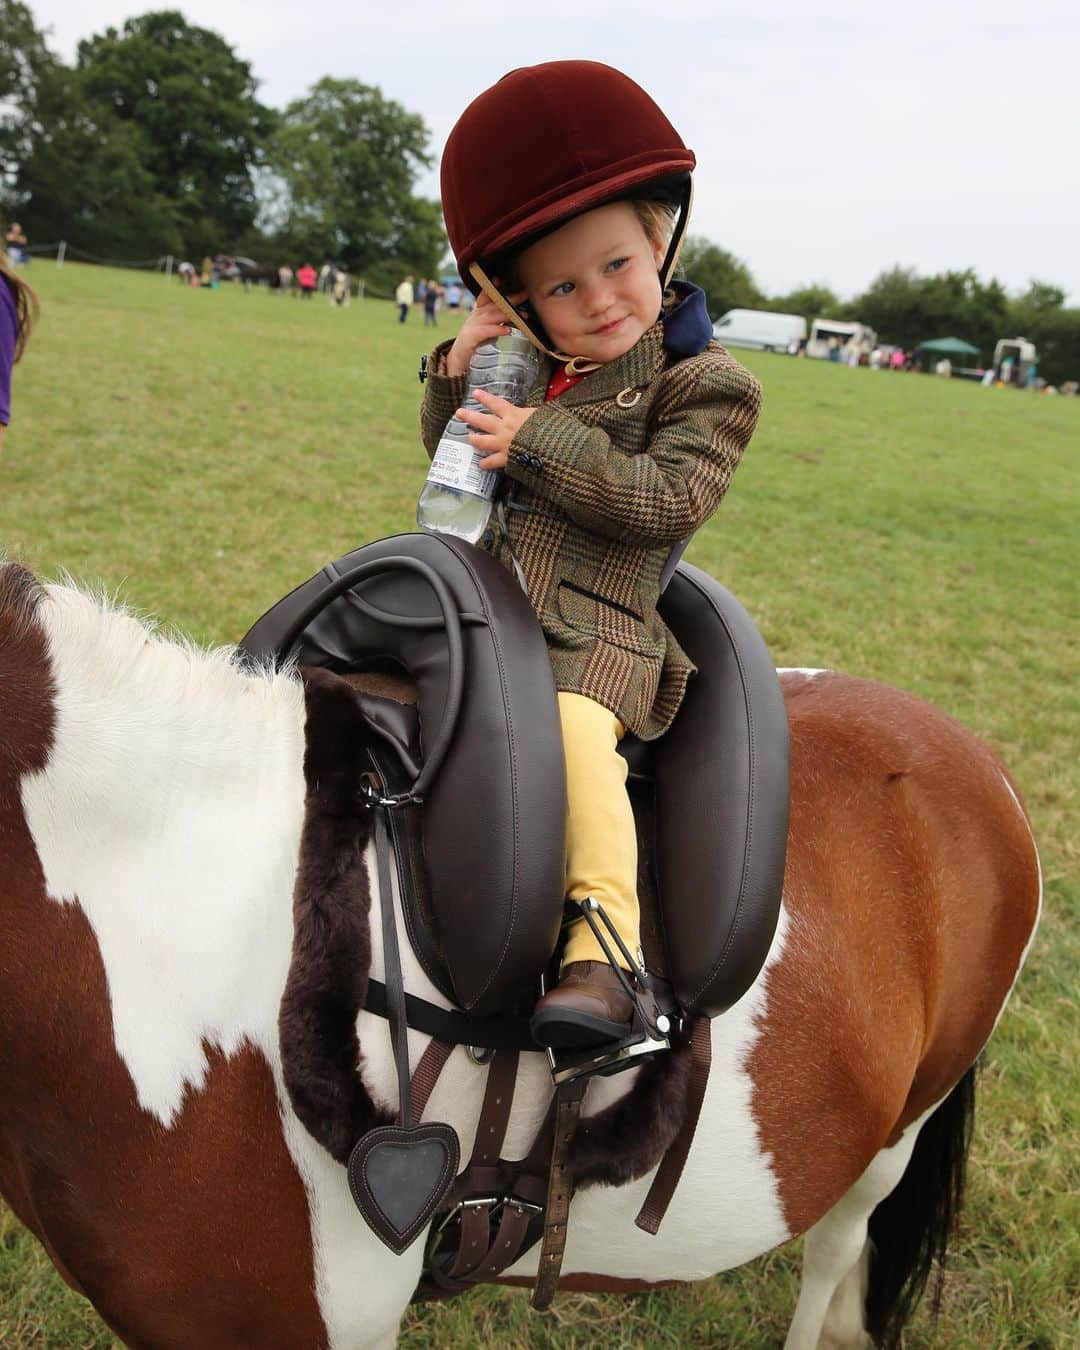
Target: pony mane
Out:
[132,651]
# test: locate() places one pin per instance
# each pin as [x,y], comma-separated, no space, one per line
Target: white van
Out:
[847,333]
[759,328]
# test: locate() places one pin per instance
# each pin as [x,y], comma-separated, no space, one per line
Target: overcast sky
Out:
[834,138]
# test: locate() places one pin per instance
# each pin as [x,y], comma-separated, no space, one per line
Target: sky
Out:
[834,139]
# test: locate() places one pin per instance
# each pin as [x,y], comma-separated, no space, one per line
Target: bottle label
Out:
[458,466]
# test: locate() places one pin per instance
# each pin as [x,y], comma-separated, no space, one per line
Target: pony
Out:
[151,805]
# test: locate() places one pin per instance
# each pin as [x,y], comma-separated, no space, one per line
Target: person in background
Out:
[18,309]
[17,244]
[285,278]
[403,298]
[431,300]
[307,279]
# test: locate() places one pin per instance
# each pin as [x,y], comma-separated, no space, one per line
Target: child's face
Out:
[594,283]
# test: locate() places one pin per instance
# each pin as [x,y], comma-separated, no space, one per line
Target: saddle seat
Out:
[481,859]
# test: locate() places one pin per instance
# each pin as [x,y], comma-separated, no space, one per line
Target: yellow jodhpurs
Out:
[601,842]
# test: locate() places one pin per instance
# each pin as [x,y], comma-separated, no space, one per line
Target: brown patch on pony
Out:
[27,695]
[331,953]
[901,827]
[192,1234]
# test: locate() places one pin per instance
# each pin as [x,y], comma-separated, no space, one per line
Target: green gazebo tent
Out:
[949,347]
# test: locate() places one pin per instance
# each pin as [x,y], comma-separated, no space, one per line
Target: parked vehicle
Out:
[759,328]
[846,332]
[1015,361]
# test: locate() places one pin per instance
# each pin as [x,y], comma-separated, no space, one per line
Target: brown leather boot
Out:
[587,1007]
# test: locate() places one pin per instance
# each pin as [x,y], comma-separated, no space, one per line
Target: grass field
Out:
[205,452]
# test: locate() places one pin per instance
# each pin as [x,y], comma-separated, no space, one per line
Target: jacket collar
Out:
[637,367]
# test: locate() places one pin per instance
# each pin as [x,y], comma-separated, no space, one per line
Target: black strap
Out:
[486,1033]
[394,988]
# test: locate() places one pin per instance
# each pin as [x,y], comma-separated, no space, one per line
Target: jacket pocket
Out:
[600,617]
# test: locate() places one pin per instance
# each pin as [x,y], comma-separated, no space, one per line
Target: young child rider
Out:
[565,193]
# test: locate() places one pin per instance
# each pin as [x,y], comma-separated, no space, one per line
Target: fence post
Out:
[60,253]
[168,265]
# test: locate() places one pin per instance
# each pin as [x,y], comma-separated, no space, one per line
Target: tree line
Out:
[905,308]
[155,142]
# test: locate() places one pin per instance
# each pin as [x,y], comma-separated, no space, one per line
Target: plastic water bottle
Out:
[457,495]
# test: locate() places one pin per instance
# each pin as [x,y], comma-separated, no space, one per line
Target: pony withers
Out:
[485,803]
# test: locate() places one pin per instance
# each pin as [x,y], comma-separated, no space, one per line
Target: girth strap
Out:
[476,1213]
[486,1033]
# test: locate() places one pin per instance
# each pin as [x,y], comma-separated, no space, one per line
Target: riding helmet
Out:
[547,143]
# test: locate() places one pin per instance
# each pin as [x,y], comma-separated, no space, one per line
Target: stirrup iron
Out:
[655,1013]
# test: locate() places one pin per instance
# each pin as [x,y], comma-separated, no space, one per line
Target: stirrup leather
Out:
[654,1017]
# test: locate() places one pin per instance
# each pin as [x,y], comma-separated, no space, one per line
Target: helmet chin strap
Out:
[579,365]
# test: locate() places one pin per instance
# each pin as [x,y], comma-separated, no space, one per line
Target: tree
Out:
[192,103]
[83,179]
[725,279]
[348,158]
[812,302]
[25,61]
[1040,314]
[1041,297]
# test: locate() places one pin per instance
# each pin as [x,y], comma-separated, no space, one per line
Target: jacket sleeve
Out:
[443,396]
[657,497]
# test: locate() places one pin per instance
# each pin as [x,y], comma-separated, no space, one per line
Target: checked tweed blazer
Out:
[600,484]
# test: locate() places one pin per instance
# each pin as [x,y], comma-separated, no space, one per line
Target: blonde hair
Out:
[26,303]
[657,220]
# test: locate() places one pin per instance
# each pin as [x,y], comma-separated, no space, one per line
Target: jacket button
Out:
[533,462]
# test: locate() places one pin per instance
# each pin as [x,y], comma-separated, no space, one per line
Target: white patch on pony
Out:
[808,671]
[167,762]
[170,812]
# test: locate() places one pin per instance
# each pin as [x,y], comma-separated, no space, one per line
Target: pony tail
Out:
[911,1229]
[26,303]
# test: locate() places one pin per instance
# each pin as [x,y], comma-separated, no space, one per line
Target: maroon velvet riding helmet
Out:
[547,143]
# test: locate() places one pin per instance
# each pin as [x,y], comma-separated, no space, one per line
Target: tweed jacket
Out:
[600,484]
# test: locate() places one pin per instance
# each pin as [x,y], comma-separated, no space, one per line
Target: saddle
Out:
[428,683]
[483,887]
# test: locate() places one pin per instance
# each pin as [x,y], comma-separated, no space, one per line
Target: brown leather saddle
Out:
[480,859]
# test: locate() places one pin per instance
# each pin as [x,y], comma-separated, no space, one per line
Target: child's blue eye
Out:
[564,288]
[617,264]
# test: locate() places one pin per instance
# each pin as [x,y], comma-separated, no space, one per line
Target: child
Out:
[566,193]
[18,305]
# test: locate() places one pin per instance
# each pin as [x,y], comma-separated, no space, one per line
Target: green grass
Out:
[204,452]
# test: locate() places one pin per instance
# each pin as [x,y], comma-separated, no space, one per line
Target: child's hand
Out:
[486,323]
[494,429]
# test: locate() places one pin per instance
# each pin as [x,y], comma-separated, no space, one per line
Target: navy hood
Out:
[687,326]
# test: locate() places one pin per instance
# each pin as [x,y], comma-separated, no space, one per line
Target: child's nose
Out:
[598,297]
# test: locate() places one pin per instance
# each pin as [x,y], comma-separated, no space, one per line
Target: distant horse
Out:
[151,802]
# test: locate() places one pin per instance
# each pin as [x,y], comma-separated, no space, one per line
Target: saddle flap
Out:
[721,793]
[494,818]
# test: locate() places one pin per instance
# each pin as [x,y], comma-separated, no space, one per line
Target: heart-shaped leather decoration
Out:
[399,1174]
